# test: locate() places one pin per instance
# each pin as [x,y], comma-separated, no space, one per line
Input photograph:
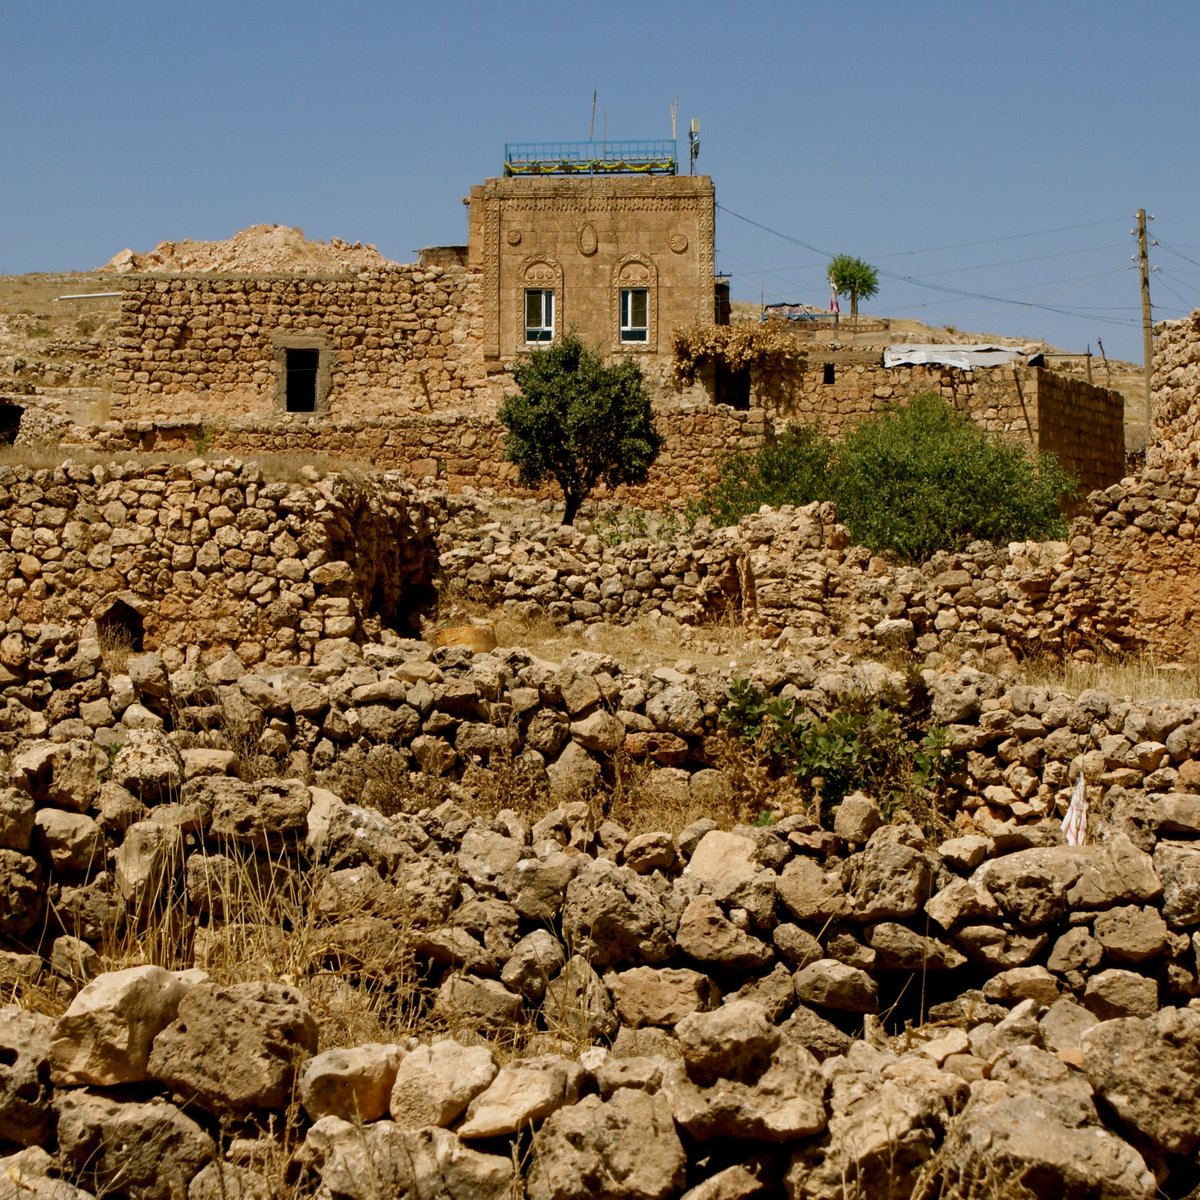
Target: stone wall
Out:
[215,347]
[1175,387]
[453,450]
[806,997]
[211,555]
[1081,424]
[584,239]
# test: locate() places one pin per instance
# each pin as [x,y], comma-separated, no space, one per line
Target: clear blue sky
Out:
[997,149]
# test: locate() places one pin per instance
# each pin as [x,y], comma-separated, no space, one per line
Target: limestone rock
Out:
[148,765]
[144,1151]
[707,935]
[104,1037]
[236,1049]
[435,1083]
[625,1148]
[1023,1139]
[660,996]
[522,1094]
[366,1162]
[24,1094]
[353,1083]
[1147,1070]
[613,917]
[828,983]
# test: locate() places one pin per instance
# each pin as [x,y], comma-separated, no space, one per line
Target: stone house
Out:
[618,248]
[609,242]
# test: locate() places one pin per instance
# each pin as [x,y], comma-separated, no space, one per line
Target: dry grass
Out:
[1133,677]
[642,643]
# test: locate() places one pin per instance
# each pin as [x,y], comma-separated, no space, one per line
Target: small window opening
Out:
[539,315]
[635,315]
[301,366]
[829,375]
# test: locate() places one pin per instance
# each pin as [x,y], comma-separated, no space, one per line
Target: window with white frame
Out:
[635,314]
[539,314]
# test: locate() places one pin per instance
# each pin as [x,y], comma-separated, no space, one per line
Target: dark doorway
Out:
[829,374]
[10,423]
[732,387]
[302,380]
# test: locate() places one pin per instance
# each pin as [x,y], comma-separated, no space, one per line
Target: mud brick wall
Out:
[215,347]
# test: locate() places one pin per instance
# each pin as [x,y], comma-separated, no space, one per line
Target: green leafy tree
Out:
[579,421]
[915,479]
[921,477]
[852,277]
[790,468]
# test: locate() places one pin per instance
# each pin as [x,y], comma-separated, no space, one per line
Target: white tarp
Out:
[967,356]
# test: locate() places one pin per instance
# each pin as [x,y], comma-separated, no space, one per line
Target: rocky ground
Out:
[455,922]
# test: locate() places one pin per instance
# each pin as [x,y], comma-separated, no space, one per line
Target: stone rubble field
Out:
[409,920]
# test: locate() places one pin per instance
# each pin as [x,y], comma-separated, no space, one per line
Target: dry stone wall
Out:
[450,450]
[1175,387]
[210,554]
[745,987]
[213,347]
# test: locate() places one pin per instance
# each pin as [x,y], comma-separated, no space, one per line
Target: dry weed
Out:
[1135,676]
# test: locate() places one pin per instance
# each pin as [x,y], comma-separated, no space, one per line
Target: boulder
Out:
[625,1148]
[104,1037]
[237,1049]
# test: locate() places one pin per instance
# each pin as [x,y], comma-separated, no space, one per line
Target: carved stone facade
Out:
[625,259]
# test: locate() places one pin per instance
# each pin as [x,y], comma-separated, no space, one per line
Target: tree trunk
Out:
[571,508]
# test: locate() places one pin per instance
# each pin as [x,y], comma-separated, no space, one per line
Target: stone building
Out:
[607,241]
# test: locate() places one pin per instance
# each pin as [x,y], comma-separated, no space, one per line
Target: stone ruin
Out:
[215,688]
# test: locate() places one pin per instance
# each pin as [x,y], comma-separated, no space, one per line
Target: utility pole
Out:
[1147,320]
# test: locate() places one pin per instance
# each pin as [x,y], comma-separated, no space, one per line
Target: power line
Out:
[913,280]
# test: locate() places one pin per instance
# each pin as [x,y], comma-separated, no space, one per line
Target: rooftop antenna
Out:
[693,146]
[592,122]
[674,115]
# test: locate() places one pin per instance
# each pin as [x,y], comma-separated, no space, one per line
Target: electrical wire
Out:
[921,283]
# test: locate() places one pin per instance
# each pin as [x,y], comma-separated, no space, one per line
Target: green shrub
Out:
[791,468]
[915,479]
[921,478]
[880,744]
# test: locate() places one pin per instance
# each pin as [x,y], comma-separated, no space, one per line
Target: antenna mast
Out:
[592,122]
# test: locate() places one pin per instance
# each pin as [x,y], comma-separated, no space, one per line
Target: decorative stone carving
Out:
[679,242]
[588,242]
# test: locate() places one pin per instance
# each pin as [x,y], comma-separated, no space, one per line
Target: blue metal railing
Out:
[646,157]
